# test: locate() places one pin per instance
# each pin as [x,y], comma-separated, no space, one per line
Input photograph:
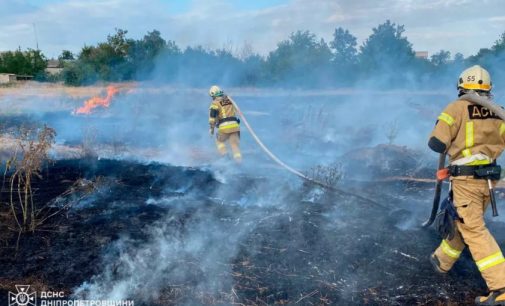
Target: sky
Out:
[462,26]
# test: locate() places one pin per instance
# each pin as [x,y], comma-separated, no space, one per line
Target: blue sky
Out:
[181,6]
[454,25]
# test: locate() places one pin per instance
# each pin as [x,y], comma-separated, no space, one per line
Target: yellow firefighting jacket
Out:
[470,134]
[223,115]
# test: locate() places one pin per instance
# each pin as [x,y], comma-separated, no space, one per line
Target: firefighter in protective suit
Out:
[474,138]
[223,116]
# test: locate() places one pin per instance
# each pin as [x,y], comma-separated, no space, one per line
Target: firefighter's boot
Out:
[436,264]
[494,298]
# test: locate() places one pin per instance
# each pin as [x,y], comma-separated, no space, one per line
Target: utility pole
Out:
[36,56]
[36,38]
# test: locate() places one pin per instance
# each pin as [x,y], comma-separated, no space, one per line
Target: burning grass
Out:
[95,102]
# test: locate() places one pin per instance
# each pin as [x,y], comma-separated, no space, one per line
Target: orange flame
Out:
[95,102]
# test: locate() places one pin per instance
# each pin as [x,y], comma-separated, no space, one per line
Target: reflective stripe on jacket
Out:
[471,133]
[222,108]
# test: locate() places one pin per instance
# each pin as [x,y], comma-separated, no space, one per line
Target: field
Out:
[142,207]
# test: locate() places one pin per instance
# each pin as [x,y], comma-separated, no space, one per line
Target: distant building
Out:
[9,78]
[54,67]
[422,54]
[20,77]
[6,78]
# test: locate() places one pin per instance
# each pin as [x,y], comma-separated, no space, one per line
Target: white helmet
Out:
[475,78]
[215,91]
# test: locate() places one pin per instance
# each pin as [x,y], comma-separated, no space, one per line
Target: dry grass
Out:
[58,89]
[26,163]
[329,175]
[391,131]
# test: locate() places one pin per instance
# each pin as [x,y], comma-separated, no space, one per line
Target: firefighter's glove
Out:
[211,131]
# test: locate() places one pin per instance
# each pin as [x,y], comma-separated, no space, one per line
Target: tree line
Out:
[29,62]
[385,59]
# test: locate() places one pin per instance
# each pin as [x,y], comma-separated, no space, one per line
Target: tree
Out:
[344,55]
[492,59]
[119,43]
[387,49]
[499,45]
[441,58]
[29,62]
[66,55]
[459,58]
[301,60]
[77,73]
[144,52]
[458,63]
[344,46]
[253,70]
[119,58]
[153,43]
[109,60]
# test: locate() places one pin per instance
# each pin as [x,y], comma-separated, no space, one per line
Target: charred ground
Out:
[168,235]
[303,246]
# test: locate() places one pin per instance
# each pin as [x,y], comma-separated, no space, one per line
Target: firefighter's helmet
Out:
[475,78]
[215,91]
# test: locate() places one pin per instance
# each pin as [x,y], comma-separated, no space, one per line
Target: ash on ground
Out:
[166,235]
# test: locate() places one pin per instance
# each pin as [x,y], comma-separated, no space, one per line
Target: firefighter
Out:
[474,138]
[223,116]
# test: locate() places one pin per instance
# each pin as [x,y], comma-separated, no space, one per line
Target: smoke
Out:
[169,124]
[198,258]
[298,235]
[189,255]
[195,261]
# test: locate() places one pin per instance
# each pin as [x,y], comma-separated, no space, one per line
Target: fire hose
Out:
[500,112]
[292,170]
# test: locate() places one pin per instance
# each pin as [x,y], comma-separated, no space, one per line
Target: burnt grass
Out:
[334,249]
